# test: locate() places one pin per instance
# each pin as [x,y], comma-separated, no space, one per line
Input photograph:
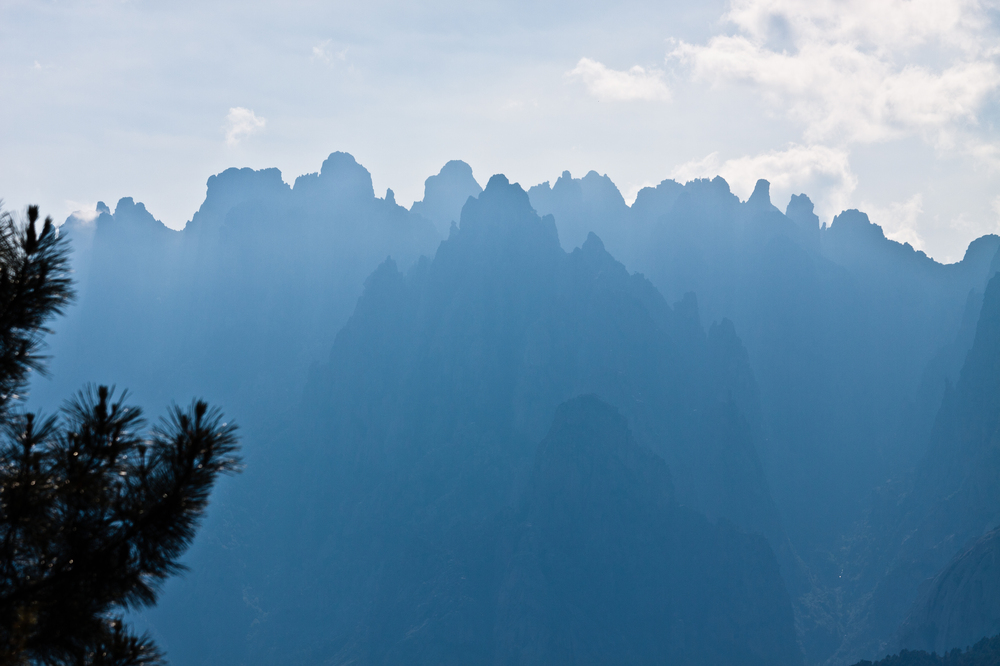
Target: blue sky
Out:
[891,106]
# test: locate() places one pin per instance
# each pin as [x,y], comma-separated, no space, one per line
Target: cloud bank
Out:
[899,219]
[858,71]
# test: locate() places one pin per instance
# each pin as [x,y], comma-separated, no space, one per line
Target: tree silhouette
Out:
[34,287]
[95,511]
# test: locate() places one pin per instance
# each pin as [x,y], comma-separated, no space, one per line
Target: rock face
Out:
[445,194]
[238,304]
[952,499]
[850,336]
[606,568]
[524,326]
[427,473]
[961,604]
[398,520]
[840,324]
[581,206]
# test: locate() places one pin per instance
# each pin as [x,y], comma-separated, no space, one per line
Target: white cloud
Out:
[969,225]
[986,153]
[824,173]
[888,24]
[859,70]
[241,123]
[899,219]
[324,53]
[630,191]
[706,167]
[84,212]
[609,84]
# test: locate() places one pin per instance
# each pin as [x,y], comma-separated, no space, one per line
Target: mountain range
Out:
[545,426]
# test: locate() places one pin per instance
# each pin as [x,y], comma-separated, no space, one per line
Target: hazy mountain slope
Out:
[382,539]
[501,300]
[941,372]
[475,351]
[237,305]
[850,336]
[961,605]
[606,568]
[581,206]
[952,499]
[445,194]
[130,273]
[385,502]
[840,323]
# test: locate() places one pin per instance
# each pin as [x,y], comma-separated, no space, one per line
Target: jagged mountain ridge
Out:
[577,323]
[251,604]
[789,285]
[443,382]
[240,302]
[445,194]
[787,252]
[850,337]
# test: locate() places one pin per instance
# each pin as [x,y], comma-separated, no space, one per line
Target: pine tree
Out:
[34,287]
[95,511]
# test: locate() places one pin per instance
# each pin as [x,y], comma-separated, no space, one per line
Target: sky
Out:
[889,106]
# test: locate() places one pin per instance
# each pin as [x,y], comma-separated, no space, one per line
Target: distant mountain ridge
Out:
[245,295]
[846,333]
[432,407]
[791,389]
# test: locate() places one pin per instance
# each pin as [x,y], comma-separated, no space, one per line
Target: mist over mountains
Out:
[544,426]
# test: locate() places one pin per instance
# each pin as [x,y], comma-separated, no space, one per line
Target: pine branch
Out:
[35,286]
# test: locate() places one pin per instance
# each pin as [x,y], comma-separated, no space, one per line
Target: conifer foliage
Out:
[34,287]
[95,511]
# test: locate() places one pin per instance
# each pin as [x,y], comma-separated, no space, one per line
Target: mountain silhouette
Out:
[786,414]
[951,501]
[605,567]
[424,432]
[240,302]
[445,194]
[849,336]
